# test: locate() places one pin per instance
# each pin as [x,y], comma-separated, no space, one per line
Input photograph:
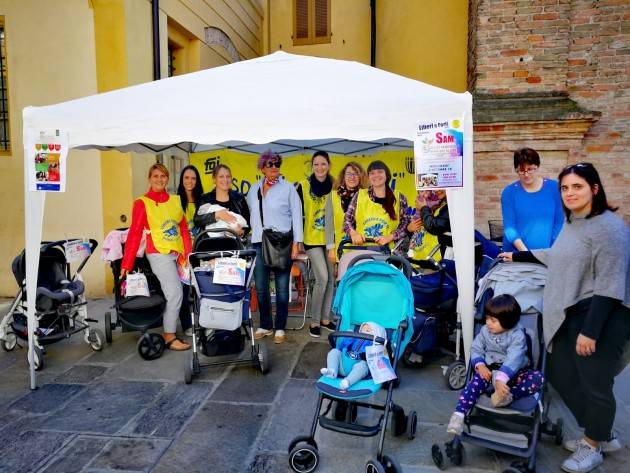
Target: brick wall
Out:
[581,47]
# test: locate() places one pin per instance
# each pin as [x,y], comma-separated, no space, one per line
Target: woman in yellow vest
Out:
[351,179]
[190,191]
[429,223]
[161,216]
[377,212]
[314,193]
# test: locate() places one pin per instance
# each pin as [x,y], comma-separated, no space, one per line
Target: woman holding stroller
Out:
[314,193]
[161,216]
[282,212]
[377,212]
[587,311]
[190,191]
[351,179]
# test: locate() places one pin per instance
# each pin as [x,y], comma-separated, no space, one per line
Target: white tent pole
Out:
[461,203]
[33,219]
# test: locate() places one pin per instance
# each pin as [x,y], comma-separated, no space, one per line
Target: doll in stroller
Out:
[60,304]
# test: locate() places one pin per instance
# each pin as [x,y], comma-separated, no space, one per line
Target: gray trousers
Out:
[324,272]
[165,269]
[359,370]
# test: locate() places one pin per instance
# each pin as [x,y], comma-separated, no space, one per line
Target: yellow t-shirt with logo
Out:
[314,216]
[163,219]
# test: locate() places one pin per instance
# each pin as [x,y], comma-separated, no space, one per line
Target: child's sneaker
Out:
[328,372]
[585,459]
[498,400]
[456,424]
[344,384]
[611,445]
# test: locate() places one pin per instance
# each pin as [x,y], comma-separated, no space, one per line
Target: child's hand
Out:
[501,388]
[483,371]
[414,225]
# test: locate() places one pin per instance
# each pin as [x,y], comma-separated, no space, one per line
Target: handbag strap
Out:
[262,219]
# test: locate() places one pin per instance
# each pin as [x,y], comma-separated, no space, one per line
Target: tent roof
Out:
[258,101]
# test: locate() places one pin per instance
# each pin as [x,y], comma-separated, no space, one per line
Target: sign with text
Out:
[439,154]
[47,166]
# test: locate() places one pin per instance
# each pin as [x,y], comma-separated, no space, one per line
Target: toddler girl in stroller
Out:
[499,355]
[357,369]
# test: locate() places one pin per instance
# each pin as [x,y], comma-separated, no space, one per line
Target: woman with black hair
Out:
[314,192]
[190,191]
[587,311]
[377,212]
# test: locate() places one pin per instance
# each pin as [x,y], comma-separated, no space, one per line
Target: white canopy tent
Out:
[258,101]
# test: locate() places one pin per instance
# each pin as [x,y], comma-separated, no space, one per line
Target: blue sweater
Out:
[534,217]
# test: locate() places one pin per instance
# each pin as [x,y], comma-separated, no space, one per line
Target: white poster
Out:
[230,271]
[47,162]
[439,154]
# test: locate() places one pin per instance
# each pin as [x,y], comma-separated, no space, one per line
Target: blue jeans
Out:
[261,277]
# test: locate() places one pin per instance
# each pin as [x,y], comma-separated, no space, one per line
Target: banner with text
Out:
[439,154]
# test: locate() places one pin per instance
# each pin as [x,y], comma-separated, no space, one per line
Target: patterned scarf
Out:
[346,195]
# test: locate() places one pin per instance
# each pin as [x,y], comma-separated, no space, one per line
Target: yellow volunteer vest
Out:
[338,218]
[423,242]
[163,220]
[314,216]
[371,219]
[190,217]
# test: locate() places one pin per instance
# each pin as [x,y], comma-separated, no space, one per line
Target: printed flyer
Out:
[439,154]
[230,271]
[47,169]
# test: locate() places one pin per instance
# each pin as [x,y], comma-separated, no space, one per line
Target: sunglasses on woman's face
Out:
[273,164]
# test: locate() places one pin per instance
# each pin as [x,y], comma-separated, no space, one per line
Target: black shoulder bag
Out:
[276,246]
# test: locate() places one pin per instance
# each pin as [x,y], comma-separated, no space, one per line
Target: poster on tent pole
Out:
[46,156]
[439,154]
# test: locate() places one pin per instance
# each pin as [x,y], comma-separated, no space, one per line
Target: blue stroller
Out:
[359,299]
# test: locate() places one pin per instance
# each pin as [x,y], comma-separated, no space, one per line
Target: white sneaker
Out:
[262,333]
[279,337]
[456,424]
[344,384]
[611,445]
[585,459]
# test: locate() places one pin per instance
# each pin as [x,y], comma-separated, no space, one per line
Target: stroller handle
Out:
[395,260]
[346,244]
[218,230]
[358,335]
[209,255]
[425,263]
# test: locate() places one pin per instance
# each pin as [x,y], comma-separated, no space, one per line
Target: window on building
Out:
[5,135]
[311,22]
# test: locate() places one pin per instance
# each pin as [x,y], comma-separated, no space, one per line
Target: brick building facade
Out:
[552,75]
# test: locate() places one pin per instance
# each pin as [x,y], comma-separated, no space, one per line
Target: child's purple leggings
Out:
[525,382]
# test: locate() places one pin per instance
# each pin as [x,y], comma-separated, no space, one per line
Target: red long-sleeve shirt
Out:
[139,223]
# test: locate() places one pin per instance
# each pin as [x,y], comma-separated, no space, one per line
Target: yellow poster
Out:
[297,167]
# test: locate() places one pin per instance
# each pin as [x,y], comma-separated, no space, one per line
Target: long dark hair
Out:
[588,172]
[390,198]
[197,191]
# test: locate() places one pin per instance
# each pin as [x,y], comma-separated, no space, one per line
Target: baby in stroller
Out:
[499,355]
[355,351]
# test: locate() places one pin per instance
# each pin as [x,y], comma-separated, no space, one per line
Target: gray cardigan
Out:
[509,349]
[590,257]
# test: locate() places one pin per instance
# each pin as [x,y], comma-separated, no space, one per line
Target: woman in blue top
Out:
[531,206]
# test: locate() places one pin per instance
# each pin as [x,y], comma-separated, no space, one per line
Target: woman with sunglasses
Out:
[532,213]
[377,212]
[282,212]
[587,311]
[351,179]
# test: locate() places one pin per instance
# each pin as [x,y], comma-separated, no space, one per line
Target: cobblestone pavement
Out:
[112,411]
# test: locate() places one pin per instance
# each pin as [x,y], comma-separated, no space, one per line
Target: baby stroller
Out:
[359,299]
[515,429]
[221,316]
[436,322]
[138,313]
[60,306]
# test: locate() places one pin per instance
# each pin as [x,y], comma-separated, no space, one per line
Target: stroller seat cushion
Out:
[362,389]
[523,406]
[66,293]
[136,303]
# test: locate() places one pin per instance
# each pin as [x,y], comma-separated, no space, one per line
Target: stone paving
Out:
[112,411]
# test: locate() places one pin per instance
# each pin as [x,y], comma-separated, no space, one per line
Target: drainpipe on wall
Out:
[155,17]
[373,33]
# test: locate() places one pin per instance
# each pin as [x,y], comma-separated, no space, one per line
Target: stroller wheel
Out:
[151,346]
[391,464]
[38,358]
[374,466]
[558,436]
[96,339]
[456,375]
[108,327]
[438,458]
[399,420]
[304,458]
[9,342]
[455,451]
[412,425]
[262,354]
[188,368]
